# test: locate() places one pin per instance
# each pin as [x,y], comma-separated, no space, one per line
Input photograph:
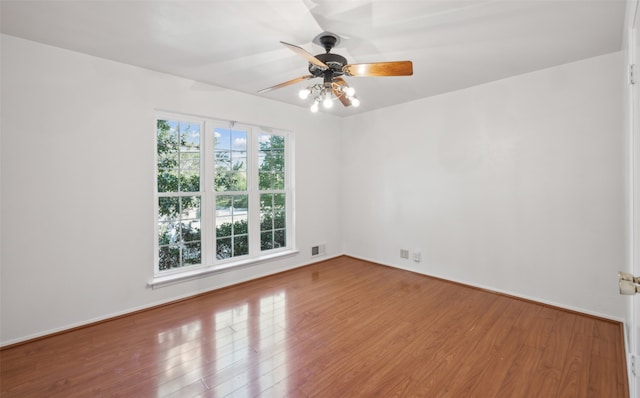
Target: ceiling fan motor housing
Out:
[335,62]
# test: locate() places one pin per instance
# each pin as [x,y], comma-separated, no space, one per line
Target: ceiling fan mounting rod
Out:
[328,41]
[328,78]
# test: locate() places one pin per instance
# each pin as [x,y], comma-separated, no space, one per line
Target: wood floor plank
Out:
[340,328]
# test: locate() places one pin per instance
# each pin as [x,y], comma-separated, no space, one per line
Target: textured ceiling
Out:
[235,44]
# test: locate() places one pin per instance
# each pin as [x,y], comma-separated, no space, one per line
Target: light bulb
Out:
[314,107]
[304,93]
[350,92]
[327,103]
[355,102]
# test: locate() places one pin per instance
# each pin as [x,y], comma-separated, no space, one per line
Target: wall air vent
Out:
[318,250]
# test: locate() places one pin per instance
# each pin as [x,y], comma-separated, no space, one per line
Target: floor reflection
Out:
[183,356]
[250,347]
[273,340]
[231,337]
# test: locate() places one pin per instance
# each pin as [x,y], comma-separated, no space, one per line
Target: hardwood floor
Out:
[340,328]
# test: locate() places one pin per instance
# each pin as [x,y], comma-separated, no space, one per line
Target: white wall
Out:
[517,185]
[77,184]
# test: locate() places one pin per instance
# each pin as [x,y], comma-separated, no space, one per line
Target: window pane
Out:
[223,248]
[223,161]
[189,138]
[240,227]
[277,143]
[266,240]
[269,141]
[167,233]
[278,161]
[224,216]
[168,208]
[168,180]
[271,162]
[224,202]
[231,160]
[278,200]
[222,181]
[266,201]
[232,225]
[277,181]
[239,140]
[190,206]
[179,234]
[192,253]
[190,181]
[279,220]
[266,212]
[241,205]
[222,139]
[167,144]
[190,231]
[168,159]
[241,246]
[224,228]
[235,180]
[239,160]
[279,239]
[266,222]
[169,257]
[238,180]
[178,153]
[264,180]
[272,221]
[190,161]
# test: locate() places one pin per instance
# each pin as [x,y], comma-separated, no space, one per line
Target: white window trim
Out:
[210,265]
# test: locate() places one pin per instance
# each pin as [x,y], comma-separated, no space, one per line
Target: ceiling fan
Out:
[331,67]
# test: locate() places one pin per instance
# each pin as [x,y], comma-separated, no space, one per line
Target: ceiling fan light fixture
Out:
[349,91]
[355,102]
[314,107]
[304,93]
[327,103]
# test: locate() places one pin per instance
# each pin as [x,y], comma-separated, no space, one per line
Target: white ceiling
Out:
[235,44]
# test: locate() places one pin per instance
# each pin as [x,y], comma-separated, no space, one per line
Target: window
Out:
[223,195]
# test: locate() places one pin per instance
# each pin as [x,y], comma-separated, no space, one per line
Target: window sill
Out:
[201,272]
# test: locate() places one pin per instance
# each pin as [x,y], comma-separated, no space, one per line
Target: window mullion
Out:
[289,190]
[254,199]
[207,165]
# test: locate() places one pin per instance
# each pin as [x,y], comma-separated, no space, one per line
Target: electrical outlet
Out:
[404,253]
[416,257]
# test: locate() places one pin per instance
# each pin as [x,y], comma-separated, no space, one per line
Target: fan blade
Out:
[398,68]
[301,51]
[287,83]
[337,82]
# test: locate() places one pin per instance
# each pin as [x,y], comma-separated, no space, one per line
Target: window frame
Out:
[208,200]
